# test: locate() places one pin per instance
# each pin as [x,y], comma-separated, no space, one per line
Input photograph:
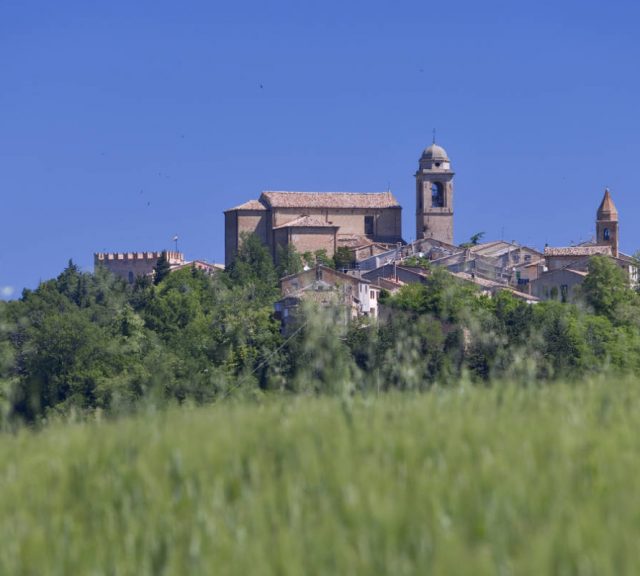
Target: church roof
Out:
[607,210]
[330,199]
[306,222]
[250,205]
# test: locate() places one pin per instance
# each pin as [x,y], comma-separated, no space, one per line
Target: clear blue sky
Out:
[124,123]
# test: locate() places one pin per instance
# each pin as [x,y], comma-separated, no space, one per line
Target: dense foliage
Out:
[85,341]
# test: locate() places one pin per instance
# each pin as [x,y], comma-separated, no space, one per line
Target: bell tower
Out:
[434,195]
[607,223]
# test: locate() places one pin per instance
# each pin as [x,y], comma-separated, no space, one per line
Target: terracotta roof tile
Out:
[484,282]
[607,209]
[330,199]
[353,241]
[250,205]
[578,251]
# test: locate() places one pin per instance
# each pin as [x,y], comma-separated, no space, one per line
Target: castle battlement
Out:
[147,257]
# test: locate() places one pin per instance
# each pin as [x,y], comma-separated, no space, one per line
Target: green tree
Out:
[162,268]
[253,268]
[606,288]
[441,295]
[342,258]
[289,260]
[321,257]
[417,262]
[473,241]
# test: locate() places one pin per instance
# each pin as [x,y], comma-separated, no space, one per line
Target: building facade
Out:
[131,265]
[312,221]
[326,287]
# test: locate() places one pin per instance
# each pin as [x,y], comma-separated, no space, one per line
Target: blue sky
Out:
[124,123]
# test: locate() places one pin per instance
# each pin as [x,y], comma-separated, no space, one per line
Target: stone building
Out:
[567,266]
[312,221]
[560,284]
[131,265]
[326,287]
[576,257]
[434,195]
[398,273]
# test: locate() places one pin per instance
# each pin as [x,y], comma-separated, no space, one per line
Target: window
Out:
[368,225]
[372,294]
[564,292]
[605,234]
[131,277]
[437,195]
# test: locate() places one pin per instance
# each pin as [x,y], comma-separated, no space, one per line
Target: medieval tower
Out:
[434,195]
[607,223]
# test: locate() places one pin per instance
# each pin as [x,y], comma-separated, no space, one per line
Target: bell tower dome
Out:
[434,195]
[607,223]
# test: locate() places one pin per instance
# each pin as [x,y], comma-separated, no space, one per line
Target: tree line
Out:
[87,341]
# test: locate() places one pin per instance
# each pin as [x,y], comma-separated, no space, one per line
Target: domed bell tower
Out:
[434,195]
[607,223]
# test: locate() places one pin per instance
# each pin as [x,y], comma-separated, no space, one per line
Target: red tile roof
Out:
[251,205]
[330,199]
[607,209]
[578,251]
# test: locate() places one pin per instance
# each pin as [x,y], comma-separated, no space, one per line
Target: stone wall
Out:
[557,285]
[387,227]
[239,222]
[387,221]
[130,265]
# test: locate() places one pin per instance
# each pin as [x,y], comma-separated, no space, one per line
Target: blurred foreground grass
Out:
[505,480]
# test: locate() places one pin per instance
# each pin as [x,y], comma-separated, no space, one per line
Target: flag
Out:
[175,238]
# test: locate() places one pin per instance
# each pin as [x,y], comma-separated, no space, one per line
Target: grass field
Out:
[505,480]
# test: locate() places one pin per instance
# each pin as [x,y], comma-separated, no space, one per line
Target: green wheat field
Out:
[462,480]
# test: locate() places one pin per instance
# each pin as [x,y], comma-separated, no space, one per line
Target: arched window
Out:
[605,234]
[131,277]
[437,195]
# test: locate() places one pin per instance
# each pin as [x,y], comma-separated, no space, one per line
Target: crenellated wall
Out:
[130,265]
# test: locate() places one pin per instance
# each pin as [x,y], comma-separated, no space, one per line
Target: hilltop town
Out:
[350,246]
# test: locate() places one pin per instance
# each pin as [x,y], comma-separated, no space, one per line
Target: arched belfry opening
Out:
[437,195]
[434,195]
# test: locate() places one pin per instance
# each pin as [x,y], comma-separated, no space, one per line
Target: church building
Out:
[312,221]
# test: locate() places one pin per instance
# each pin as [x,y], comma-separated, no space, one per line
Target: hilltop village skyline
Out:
[434,214]
[361,234]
